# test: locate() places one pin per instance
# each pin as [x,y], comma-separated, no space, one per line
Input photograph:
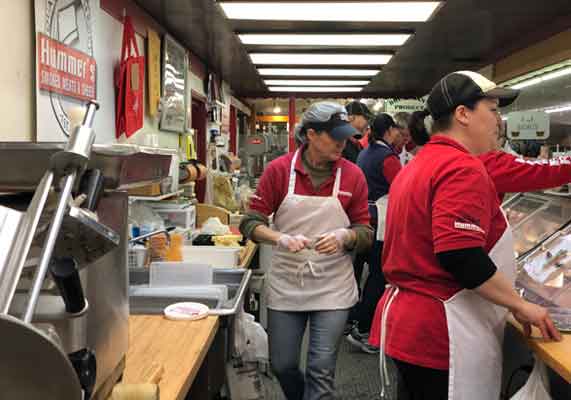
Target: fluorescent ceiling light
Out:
[293,82]
[316,72]
[314,89]
[319,59]
[542,78]
[410,11]
[364,40]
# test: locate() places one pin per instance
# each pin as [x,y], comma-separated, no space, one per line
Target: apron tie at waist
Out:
[311,266]
[385,381]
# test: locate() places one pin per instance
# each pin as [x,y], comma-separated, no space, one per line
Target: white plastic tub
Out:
[216,256]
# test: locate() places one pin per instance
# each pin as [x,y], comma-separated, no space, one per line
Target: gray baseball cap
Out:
[330,117]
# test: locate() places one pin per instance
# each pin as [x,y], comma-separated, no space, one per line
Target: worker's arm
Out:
[294,244]
[499,291]
[512,174]
[475,270]
[391,167]
[265,202]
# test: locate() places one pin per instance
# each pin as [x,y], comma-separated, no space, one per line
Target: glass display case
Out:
[544,277]
[535,217]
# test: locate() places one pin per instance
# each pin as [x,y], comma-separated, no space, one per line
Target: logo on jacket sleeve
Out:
[467,226]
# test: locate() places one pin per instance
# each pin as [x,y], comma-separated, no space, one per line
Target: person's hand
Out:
[528,314]
[332,242]
[293,243]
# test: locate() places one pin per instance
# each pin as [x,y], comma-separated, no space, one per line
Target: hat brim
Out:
[343,131]
[505,96]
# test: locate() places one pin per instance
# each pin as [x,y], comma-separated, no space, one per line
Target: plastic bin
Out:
[215,255]
[184,218]
[179,274]
[153,300]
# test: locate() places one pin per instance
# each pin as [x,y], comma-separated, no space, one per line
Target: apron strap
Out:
[385,381]
[337,184]
[313,270]
[291,185]
[292,177]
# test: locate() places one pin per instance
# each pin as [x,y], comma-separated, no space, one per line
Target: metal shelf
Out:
[155,198]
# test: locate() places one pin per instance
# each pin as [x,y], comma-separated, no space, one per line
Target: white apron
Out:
[475,330]
[308,281]
[405,156]
[382,204]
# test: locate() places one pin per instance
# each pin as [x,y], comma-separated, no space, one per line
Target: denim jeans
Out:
[286,330]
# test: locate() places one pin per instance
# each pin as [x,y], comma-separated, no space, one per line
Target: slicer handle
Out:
[92,186]
[66,277]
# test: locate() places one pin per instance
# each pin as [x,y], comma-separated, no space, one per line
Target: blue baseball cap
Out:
[330,117]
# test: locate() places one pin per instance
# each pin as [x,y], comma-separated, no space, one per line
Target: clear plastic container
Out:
[184,218]
[179,274]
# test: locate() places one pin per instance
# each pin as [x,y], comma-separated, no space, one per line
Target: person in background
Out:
[359,116]
[449,255]
[509,171]
[380,164]
[364,141]
[319,205]
[401,119]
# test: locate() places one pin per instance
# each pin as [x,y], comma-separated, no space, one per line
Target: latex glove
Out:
[332,242]
[293,243]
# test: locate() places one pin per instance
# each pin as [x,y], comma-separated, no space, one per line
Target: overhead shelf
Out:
[156,198]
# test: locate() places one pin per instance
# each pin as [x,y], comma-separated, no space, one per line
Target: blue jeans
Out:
[285,330]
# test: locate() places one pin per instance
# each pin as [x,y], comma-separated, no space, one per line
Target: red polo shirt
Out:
[442,200]
[274,182]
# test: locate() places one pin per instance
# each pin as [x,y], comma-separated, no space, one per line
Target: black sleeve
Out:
[471,267]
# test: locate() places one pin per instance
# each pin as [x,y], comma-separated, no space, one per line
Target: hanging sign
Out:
[528,125]
[154,70]
[393,106]
[66,70]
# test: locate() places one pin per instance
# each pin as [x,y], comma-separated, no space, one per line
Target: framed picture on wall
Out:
[174,81]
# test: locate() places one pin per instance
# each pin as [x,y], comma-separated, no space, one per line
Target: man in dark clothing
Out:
[380,164]
[359,116]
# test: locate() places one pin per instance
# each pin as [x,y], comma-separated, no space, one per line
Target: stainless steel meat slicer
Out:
[44,251]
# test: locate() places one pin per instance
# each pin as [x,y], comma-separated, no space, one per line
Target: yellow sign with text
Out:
[154,71]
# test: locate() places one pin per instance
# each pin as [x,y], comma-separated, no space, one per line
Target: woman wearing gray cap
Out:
[319,206]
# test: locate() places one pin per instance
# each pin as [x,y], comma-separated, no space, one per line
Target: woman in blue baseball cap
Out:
[319,205]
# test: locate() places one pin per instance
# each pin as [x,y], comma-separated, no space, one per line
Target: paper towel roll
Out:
[136,391]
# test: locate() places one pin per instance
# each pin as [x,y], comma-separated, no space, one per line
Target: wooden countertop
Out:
[179,346]
[557,355]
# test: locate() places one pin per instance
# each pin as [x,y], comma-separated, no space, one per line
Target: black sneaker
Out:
[361,341]
[349,326]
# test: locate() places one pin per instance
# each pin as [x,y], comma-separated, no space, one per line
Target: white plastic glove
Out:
[333,241]
[293,243]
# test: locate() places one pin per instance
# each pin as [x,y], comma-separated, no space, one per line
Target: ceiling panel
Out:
[464,34]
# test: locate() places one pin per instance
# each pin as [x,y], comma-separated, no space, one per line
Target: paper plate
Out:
[186,311]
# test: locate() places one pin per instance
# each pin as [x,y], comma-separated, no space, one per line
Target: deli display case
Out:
[542,234]
[534,217]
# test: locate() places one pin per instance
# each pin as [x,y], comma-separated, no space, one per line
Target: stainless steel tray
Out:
[123,165]
[535,217]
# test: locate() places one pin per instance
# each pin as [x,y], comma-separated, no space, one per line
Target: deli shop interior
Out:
[285,200]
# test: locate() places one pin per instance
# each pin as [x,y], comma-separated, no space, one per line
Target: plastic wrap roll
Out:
[192,172]
[201,172]
[137,391]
